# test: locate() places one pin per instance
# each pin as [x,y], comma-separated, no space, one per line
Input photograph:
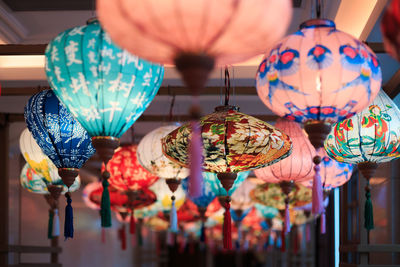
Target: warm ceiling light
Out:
[21,61]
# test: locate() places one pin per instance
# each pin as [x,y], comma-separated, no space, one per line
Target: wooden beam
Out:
[151,118]
[22,50]
[392,87]
[165,90]
[38,49]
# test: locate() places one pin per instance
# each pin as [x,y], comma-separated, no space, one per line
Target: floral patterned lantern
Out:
[390,29]
[282,198]
[126,173]
[61,138]
[367,139]
[232,142]
[103,86]
[318,76]
[333,173]
[51,187]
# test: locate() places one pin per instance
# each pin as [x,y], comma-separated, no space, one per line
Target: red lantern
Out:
[126,173]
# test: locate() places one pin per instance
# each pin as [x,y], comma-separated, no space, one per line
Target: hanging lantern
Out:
[266,212]
[186,213]
[126,175]
[390,29]
[103,86]
[168,203]
[232,142]
[150,156]
[333,173]
[318,76]
[195,51]
[51,189]
[61,138]
[295,168]
[241,197]
[367,139]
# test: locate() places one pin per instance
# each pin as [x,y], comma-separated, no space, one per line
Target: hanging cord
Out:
[171,107]
[318,8]
[227,86]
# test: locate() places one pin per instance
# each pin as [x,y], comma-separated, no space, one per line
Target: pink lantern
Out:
[318,76]
[229,31]
[295,168]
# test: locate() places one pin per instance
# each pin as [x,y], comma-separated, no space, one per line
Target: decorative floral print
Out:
[232,142]
[372,135]
[126,172]
[272,195]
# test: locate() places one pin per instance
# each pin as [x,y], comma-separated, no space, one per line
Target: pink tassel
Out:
[196,161]
[287,219]
[317,196]
[170,238]
[308,232]
[323,223]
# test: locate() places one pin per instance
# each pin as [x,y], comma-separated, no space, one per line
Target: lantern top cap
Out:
[317,23]
[227,108]
[92,20]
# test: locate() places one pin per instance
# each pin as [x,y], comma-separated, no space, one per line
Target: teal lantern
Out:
[104,87]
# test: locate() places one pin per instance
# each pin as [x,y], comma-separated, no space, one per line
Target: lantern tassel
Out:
[203,233]
[122,236]
[105,206]
[283,241]
[170,238]
[317,196]
[227,228]
[140,233]
[173,217]
[323,223]
[308,232]
[368,210]
[239,238]
[287,217]
[69,218]
[296,243]
[132,224]
[56,224]
[50,225]
[195,148]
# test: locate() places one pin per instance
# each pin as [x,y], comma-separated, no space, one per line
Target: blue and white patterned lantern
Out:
[58,134]
[103,86]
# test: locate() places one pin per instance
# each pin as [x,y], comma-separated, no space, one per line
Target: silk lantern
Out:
[103,86]
[150,156]
[390,29]
[367,139]
[194,51]
[318,76]
[61,138]
[168,203]
[126,174]
[267,212]
[295,168]
[232,142]
[51,187]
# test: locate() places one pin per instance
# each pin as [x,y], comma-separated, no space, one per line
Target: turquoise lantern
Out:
[104,87]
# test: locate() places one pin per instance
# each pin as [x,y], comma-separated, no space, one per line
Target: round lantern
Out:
[267,212]
[103,86]
[390,29]
[51,187]
[333,173]
[318,76]
[232,142]
[61,138]
[367,139]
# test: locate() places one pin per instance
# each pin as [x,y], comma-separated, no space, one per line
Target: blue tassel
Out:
[173,217]
[69,218]
[203,233]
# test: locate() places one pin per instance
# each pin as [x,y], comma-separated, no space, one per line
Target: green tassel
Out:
[368,212]
[50,225]
[105,211]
